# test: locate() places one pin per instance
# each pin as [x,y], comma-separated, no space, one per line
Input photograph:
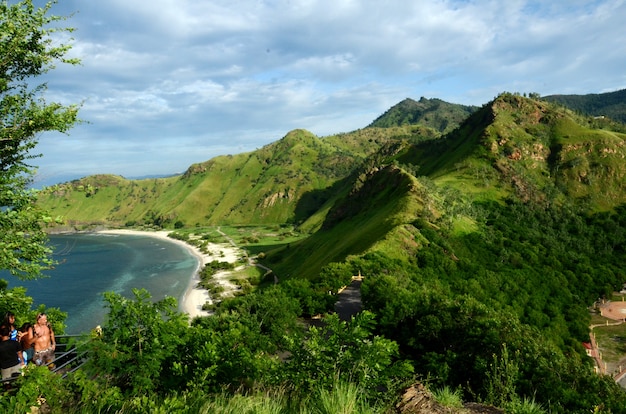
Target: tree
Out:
[345,351]
[138,349]
[28,49]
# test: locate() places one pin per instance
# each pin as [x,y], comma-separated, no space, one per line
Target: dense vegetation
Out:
[520,286]
[610,104]
[439,115]
[250,344]
[483,234]
[498,312]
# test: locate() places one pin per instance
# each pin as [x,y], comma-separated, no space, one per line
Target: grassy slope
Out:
[286,181]
[436,114]
[529,148]
[511,147]
[372,211]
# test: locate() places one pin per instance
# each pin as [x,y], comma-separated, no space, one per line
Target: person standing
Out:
[45,343]
[27,339]
[9,322]
[11,360]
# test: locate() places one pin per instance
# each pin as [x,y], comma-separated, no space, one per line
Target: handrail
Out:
[68,364]
[65,366]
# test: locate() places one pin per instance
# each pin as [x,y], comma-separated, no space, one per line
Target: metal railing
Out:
[67,356]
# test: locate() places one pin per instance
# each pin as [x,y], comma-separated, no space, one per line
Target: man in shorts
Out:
[45,343]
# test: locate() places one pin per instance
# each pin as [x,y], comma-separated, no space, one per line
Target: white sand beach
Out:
[194,297]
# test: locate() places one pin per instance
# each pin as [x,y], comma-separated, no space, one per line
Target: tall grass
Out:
[239,404]
[524,406]
[448,397]
[344,398]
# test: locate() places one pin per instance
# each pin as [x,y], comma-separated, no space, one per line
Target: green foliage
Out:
[140,343]
[252,404]
[341,398]
[345,351]
[435,113]
[524,406]
[448,397]
[17,301]
[90,396]
[38,387]
[270,313]
[215,266]
[211,269]
[333,276]
[27,52]
[235,347]
[502,375]
[40,390]
[521,282]
[312,300]
[610,104]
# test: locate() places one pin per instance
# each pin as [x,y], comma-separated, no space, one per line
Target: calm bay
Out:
[93,263]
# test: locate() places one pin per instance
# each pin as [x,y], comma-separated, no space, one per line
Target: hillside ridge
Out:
[511,145]
[434,113]
[608,104]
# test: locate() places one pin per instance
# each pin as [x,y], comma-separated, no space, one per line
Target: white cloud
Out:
[195,78]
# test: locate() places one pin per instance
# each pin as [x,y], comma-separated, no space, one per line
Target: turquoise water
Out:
[90,264]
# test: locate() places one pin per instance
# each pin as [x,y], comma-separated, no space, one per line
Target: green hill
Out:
[264,186]
[514,147]
[362,217]
[610,104]
[529,148]
[484,248]
[283,182]
[433,113]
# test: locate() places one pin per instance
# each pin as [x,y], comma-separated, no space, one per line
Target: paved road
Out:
[349,303]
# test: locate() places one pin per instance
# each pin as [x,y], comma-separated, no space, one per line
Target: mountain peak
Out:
[434,113]
[530,147]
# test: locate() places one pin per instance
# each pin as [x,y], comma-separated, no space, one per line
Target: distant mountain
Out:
[283,182]
[512,145]
[434,113]
[610,104]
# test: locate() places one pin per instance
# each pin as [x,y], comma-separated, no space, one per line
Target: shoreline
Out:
[194,297]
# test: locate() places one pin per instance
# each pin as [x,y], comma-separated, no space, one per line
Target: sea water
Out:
[93,263]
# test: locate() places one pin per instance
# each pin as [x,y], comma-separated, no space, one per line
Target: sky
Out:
[164,84]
